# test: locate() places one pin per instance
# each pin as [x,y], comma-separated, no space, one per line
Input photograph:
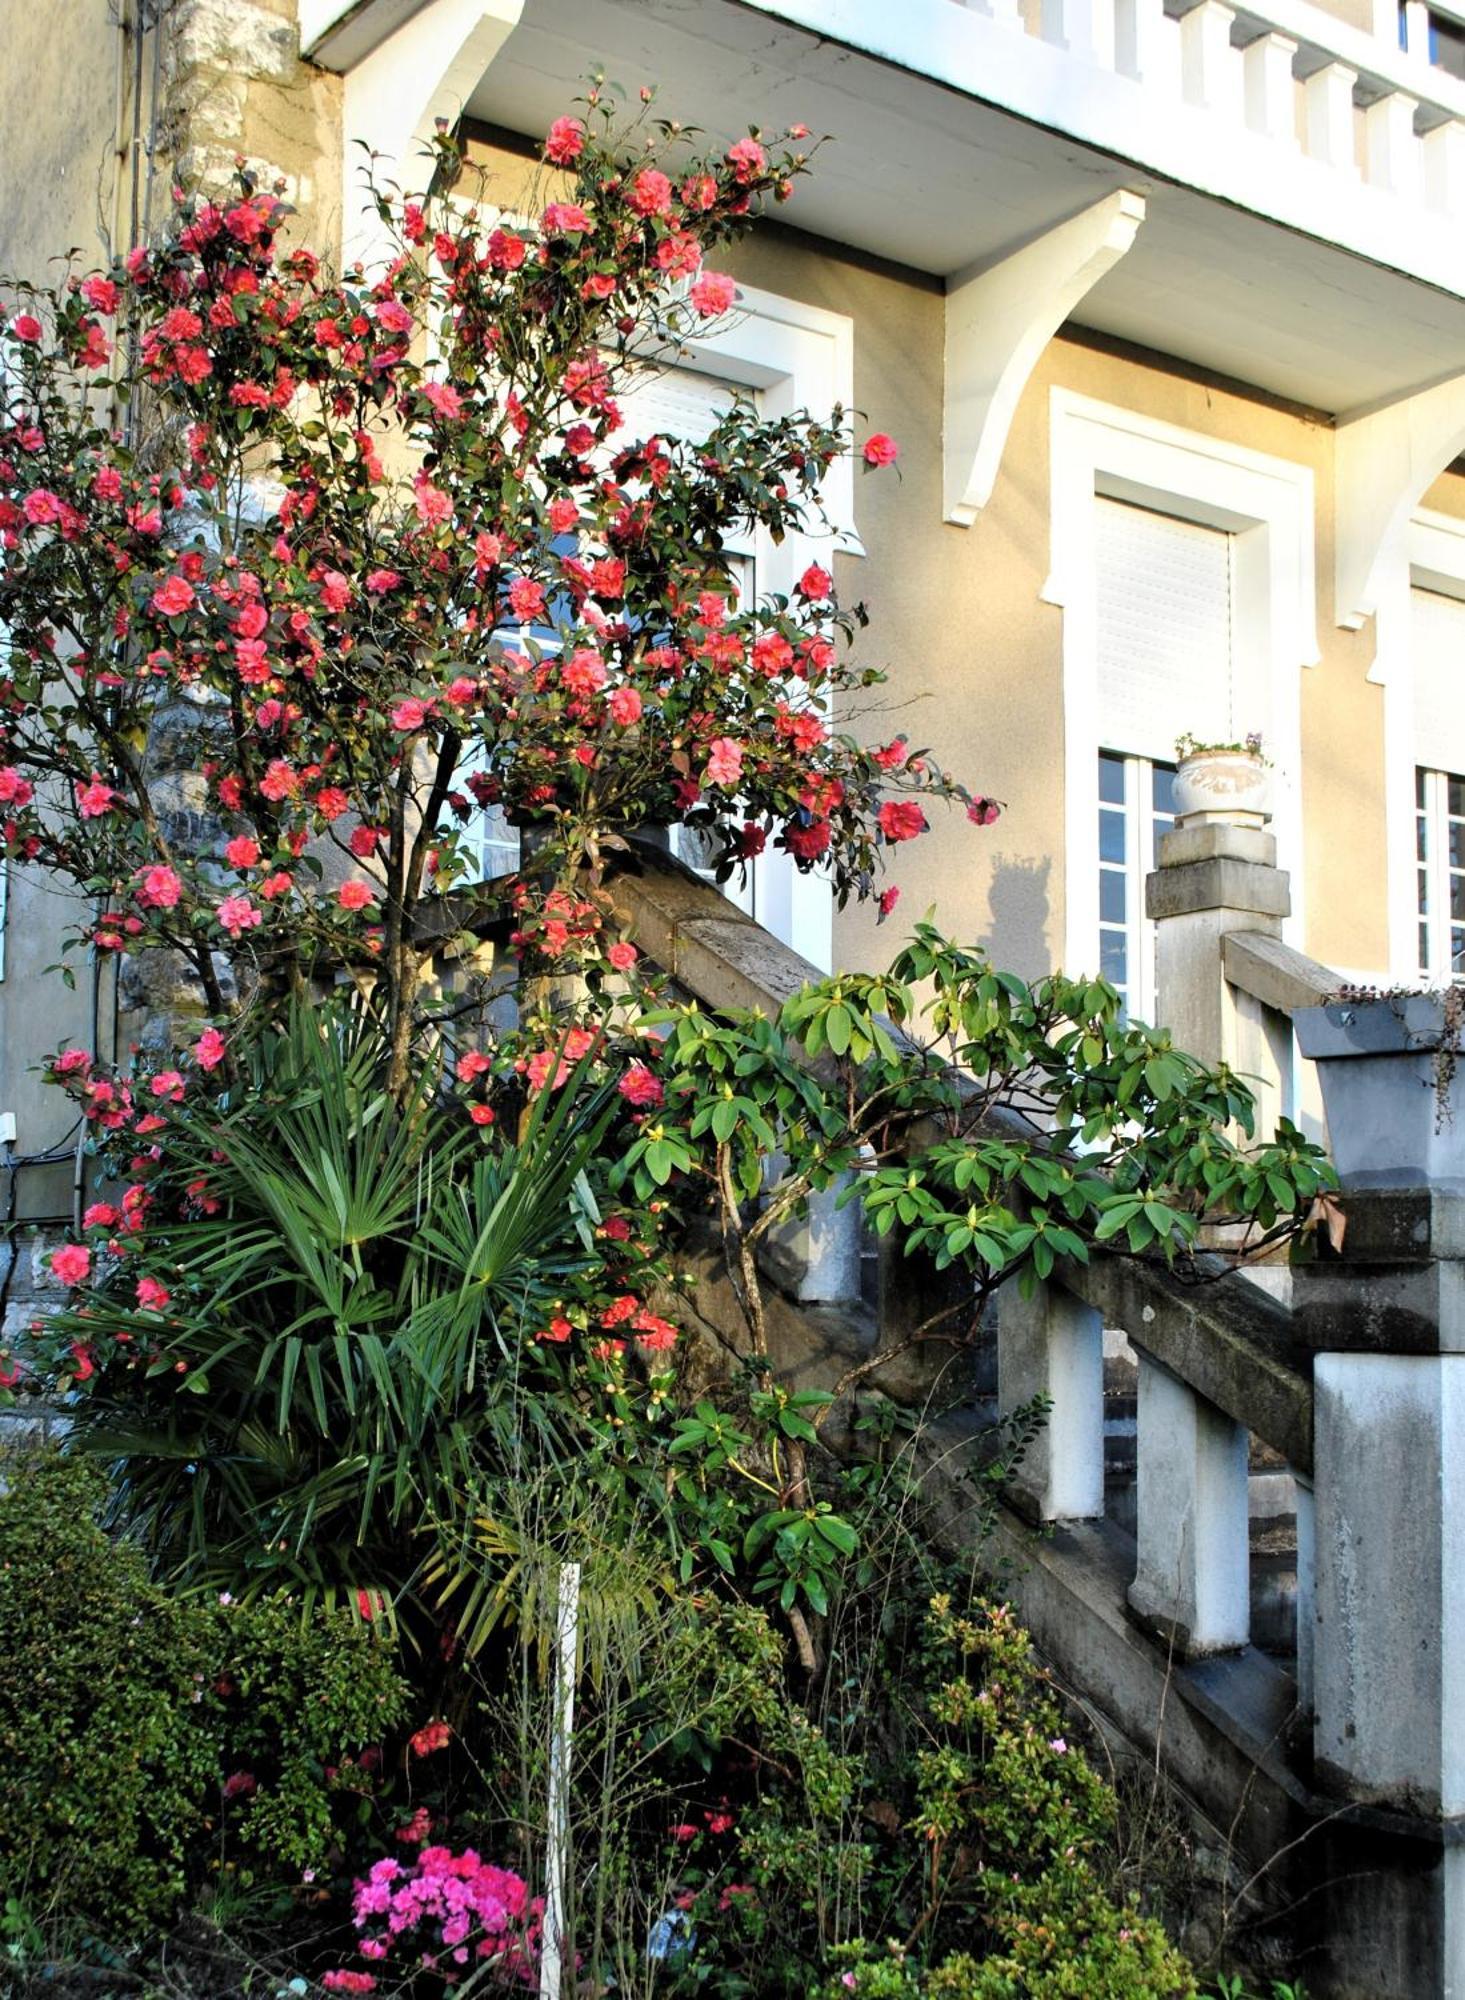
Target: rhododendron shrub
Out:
[391,539]
[448,1913]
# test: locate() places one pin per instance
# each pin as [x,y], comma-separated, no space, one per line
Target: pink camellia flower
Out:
[393,317]
[410,714]
[279,781]
[96,798]
[364,842]
[650,193]
[472,1064]
[168,1083]
[878,449]
[237,914]
[888,900]
[241,1785]
[563,514]
[208,1050]
[354,895]
[335,590]
[566,141]
[565,218]
[152,1296]
[641,1087]
[526,598]
[101,1215]
[242,852]
[432,1736]
[433,506]
[901,819]
[331,802]
[623,955]
[380,581]
[625,707]
[481,1114]
[25,326]
[14,789]
[100,293]
[41,507]
[724,762]
[173,597]
[747,160]
[583,673]
[816,583]
[159,888]
[983,812]
[713,293]
[71,1264]
[71,1060]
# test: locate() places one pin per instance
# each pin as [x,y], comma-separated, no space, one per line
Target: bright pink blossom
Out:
[159,888]
[713,293]
[208,1050]
[71,1264]
[96,798]
[237,914]
[566,141]
[724,762]
[878,449]
[173,597]
[354,895]
[640,1086]
[901,819]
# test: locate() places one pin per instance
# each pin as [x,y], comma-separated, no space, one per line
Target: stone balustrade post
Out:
[1052,1345]
[1385,1318]
[1192,1582]
[1213,879]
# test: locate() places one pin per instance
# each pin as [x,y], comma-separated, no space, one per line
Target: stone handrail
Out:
[1275,973]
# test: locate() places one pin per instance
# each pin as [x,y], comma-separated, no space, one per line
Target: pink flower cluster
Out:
[442,1912]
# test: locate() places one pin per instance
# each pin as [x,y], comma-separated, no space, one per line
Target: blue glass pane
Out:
[1111,837]
[1164,790]
[1111,778]
[1111,896]
[1114,957]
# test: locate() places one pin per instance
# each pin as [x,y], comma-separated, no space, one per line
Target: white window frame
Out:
[1139,818]
[1440,970]
[1429,556]
[1267,504]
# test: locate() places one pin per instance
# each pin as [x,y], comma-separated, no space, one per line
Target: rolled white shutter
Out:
[673,403]
[1164,630]
[1438,634]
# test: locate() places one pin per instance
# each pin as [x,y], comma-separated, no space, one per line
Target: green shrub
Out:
[144,1739]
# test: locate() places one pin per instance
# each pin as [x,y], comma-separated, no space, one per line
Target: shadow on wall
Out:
[1016,937]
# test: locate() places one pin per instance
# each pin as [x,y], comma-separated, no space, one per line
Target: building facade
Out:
[1165,308]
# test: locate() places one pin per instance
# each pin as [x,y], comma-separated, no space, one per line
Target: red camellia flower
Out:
[354,895]
[558,1331]
[878,449]
[71,1264]
[159,888]
[25,326]
[816,583]
[173,597]
[901,819]
[640,1086]
[713,294]
[432,1736]
[566,141]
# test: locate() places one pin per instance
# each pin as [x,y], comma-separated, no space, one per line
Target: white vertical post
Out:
[1084,27]
[1193,1580]
[1210,69]
[1147,44]
[1329,94]
[1052,1345]
[1008,11]
[1416,30]
[1394,159]
[557,1844]
[1443,147]
[1271,99]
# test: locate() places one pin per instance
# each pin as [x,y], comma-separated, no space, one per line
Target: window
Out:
[1437,632]
[1183,565]
[1439,829]
[1445,39]
[1136,805]
[1164,643]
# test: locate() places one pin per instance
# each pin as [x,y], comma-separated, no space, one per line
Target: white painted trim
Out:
[999,318]
[1430,552]
[1267,503]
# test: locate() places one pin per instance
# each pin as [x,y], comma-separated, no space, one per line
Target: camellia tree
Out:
[390,540]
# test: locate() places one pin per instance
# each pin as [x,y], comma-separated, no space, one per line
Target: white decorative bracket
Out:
[1386,460]
[394,97]
[999,318]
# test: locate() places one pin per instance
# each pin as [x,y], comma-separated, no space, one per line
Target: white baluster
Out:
[1416,30]
[1053,1345]
[1271,103]
[1444,164]
[1084,27]
[1330,116]
[1394,158]
[1210,68]
[1193,1579]
[1147,44]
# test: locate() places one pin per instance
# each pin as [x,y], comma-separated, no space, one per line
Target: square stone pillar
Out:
[1212,879]
[1052,1345]
[1193,1582]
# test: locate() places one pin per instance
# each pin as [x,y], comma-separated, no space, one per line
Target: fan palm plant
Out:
[343,1358]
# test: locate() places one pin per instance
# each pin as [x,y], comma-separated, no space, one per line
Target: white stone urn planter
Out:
[1234,786]
[1393,1087]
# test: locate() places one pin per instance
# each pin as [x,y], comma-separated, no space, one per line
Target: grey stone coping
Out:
[1275,973]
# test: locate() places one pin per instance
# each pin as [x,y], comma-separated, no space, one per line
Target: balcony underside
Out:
[938,178]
